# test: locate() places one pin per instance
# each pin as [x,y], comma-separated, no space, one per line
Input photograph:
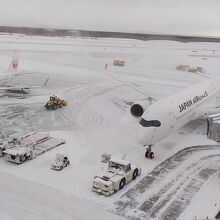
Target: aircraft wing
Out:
[22,88]
[16,89]
[154,84]
[211,112]
[133,86]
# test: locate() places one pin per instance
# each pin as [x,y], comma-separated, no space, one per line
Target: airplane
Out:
[158,119]
[8,76]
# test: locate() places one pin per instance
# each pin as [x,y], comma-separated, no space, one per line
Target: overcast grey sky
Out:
[191,17]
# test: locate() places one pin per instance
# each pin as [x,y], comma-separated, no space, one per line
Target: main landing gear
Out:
[149,154]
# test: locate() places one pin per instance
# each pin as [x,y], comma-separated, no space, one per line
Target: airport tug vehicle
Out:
[55,103]
[60,162]
[117,175]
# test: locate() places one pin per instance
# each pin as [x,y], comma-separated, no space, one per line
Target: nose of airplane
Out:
[145,135]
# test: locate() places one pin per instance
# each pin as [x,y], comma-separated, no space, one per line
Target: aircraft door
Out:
[172,119]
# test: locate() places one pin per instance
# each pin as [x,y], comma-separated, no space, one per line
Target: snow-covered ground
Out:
[184,17]
[96,119]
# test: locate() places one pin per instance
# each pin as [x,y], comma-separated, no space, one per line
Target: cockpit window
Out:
[116,165]
[152,123]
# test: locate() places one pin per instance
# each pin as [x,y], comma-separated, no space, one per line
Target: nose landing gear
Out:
[149,153]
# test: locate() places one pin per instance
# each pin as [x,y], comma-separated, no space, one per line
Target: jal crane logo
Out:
[15,63]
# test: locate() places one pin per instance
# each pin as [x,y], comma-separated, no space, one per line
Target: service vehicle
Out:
[118,62]
[118,174]
[55,103]
[182,67]
[60,162]
[21,153]
[24,140]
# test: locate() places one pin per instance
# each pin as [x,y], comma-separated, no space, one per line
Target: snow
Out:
[29,200]
[144,16]
[206,203]
[96,120]
[104,182]
[17,151]
[122,162]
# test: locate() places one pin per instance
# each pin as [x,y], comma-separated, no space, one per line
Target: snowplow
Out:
[118,62]
[197,69]
[55,103]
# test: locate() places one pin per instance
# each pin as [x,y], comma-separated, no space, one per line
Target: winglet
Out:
[14,63]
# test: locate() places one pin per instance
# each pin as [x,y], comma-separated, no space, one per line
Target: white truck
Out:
[60,162]
[118,174]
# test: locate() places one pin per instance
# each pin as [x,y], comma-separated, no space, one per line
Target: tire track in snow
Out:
[163,184]
[89,119]
[26,116]
[23,199]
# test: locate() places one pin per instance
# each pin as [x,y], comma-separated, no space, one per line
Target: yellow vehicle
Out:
[183,67]
[55,103]
[119,63]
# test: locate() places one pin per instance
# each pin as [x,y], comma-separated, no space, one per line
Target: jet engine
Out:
[137,109]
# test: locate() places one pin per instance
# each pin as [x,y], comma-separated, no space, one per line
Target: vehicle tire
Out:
[147,154]
[61,167]
[135,174]
[151,155]
[122,184]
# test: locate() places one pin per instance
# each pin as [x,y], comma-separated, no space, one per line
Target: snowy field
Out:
[97,120]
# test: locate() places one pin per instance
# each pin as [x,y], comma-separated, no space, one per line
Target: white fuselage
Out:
[175,111]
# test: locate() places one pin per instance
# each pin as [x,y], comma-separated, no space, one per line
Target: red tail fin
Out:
[14,63]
